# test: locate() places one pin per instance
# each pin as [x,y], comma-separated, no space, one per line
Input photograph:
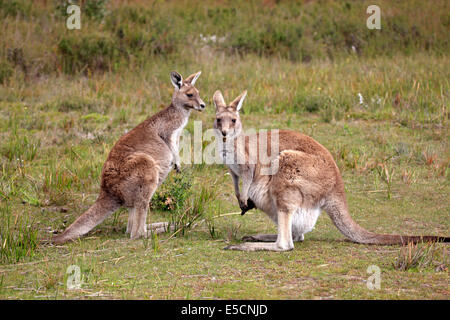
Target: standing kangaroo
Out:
[307,180]
[139,162]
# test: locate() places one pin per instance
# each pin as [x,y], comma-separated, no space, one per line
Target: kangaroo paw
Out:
[250,205]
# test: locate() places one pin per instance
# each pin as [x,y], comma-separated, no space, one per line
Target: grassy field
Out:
[381,109]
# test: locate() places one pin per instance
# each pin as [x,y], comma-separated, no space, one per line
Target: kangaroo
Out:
[306,180]
[139,162]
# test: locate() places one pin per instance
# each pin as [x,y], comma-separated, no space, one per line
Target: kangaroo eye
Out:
[189,95]
[233,120]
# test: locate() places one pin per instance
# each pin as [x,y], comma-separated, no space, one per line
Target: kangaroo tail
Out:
[338,212]
[102,208]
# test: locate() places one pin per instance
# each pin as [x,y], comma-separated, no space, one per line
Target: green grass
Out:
[19,236]
[60,114]
[195,265]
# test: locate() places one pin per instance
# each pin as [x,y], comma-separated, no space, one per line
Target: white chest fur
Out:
[226,150]
[175,138]
[228,158]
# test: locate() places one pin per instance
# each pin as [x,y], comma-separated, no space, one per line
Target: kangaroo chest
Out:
[175,136]
[229,161]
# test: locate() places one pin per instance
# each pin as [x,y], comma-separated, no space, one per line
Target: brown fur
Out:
[138,163]
[307,180]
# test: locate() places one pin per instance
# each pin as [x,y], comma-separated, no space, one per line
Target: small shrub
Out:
[198,206]
[183,204]
[173,193]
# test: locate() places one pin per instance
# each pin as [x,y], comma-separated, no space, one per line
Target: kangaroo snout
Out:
[201,105]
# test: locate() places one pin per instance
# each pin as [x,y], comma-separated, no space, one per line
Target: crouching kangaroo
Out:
[304,180]
[139,162]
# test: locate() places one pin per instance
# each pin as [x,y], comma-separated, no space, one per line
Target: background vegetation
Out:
[377,99]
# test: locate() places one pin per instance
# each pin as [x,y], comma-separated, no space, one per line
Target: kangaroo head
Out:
[227,123]
[185,94]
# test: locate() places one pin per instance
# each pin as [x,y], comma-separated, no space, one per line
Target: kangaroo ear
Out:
[219,102]
[237,103]
[177,79]
[192,78]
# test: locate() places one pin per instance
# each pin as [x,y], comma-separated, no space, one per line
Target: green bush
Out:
[173,194]
[183,203]
[95,9]
[14,8]
[88,52]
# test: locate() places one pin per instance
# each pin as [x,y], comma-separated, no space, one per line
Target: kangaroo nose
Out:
[202,105]
[224,133]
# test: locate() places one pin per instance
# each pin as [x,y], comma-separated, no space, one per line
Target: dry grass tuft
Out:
[421,256]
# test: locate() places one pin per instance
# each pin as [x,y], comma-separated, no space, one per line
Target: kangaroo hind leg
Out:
[137,189]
